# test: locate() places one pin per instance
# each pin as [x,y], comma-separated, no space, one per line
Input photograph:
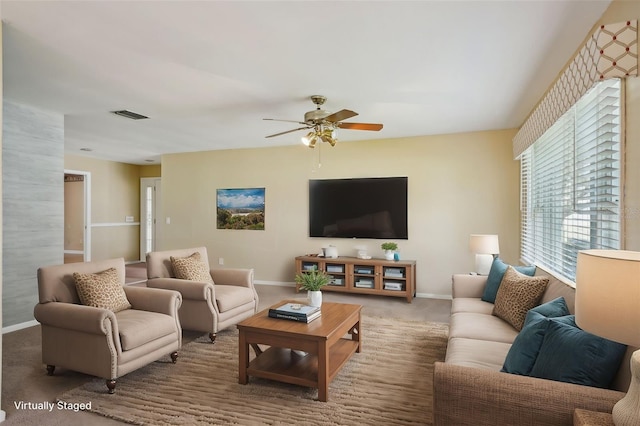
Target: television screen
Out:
[358,208]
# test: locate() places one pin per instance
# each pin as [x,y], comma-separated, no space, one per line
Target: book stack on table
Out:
[296,312]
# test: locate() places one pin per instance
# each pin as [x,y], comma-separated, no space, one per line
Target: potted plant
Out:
[389,248]
[313,281]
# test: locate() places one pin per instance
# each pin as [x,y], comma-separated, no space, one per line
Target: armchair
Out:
[97,341]
[207,307]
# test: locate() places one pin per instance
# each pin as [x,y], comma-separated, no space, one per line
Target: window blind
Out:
[570,183]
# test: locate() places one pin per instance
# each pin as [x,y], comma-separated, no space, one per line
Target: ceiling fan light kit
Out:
[324,124]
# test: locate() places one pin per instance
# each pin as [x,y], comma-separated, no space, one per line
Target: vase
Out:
[388,254]
[314,298]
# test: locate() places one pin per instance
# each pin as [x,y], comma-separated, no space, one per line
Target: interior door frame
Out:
[156,183]
[87,211]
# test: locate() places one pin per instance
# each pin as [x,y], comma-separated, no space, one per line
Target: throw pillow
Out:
[554,308]
[569,354]
[526,346]
[101,290]
[517,294]
[496,273]
[191,268]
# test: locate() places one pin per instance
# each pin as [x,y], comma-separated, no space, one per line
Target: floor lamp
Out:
[608,305]
[486,247]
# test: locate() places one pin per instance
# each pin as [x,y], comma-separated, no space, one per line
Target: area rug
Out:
[388,383]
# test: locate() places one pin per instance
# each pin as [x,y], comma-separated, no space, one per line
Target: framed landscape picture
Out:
[240,208]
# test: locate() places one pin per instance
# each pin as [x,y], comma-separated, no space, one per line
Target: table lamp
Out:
[608,305]
[486,247]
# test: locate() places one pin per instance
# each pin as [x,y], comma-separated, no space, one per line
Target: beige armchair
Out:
[97,341]
[207,307]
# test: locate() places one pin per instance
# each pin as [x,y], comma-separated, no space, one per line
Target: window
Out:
[570,183]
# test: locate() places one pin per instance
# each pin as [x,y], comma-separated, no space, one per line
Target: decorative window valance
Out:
[610,52]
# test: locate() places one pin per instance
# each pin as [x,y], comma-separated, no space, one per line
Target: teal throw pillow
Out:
[526,346]
[498,268]
[554,308]
[569,354]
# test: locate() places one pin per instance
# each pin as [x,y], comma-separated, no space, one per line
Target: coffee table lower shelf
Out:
[288,366]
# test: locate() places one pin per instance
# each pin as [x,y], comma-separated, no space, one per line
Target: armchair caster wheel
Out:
[212,336]
[111,385]
[174,357]
[50,370]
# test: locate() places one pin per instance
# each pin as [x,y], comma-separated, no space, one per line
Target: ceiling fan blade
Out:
[286,121]
[340,115]
[360,126]
[288,131]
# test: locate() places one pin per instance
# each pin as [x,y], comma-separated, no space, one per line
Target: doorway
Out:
[150,211]
[77,216]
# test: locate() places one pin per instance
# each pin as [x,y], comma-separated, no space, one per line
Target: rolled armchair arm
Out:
[233,276]
[154,300]
[474,396]
[70,316]
[467,285]
[193,290]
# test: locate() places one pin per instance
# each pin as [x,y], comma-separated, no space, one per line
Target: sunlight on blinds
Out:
[570,183]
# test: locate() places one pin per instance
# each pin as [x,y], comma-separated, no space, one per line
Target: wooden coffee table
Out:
[324,340]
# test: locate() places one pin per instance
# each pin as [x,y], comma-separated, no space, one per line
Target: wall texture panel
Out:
[32,204]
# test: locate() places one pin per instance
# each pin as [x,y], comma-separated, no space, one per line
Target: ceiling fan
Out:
[324,124]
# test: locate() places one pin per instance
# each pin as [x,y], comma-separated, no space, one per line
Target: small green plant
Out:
[389,246]
[313,280]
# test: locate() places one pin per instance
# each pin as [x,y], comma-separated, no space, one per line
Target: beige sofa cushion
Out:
[477,353]
[101,290]
[231,296]
[472,325]
[517,294]
[139,327]
[470,304]
[191,268]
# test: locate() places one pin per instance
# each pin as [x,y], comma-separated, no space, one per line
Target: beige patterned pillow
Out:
[516,295]
[191,268]
[102,290]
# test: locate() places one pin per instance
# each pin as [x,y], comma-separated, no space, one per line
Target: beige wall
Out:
[458,185]
[115,194]
[150,171]
[2,414]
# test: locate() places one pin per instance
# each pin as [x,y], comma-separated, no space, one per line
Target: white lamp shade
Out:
[484,244]
[608,294]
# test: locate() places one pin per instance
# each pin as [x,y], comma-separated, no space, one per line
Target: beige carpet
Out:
[388,383]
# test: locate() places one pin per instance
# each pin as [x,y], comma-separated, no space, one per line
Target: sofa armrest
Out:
[154,300]
[474,396]
[467,285]
[233,276]
[192,290]
[71,316]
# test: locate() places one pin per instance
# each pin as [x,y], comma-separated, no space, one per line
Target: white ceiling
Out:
[208,72]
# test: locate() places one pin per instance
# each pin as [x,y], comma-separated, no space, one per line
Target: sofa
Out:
[469,388]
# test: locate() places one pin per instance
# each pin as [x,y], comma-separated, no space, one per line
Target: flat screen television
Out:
[358,208]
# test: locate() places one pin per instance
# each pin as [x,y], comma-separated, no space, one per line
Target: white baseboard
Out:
[20,326]
[3,416]
[434,296]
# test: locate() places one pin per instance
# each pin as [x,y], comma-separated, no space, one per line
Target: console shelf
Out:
[364,276]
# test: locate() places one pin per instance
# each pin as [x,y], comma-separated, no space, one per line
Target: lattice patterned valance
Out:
[610,52]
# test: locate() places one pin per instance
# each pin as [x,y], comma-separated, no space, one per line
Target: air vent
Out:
[130,114]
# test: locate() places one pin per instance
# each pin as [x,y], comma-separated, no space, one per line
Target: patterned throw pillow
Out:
[517,294]
[191,268]
[101,290]
[496,273]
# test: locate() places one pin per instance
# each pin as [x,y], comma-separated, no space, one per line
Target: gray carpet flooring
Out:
[25,379]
